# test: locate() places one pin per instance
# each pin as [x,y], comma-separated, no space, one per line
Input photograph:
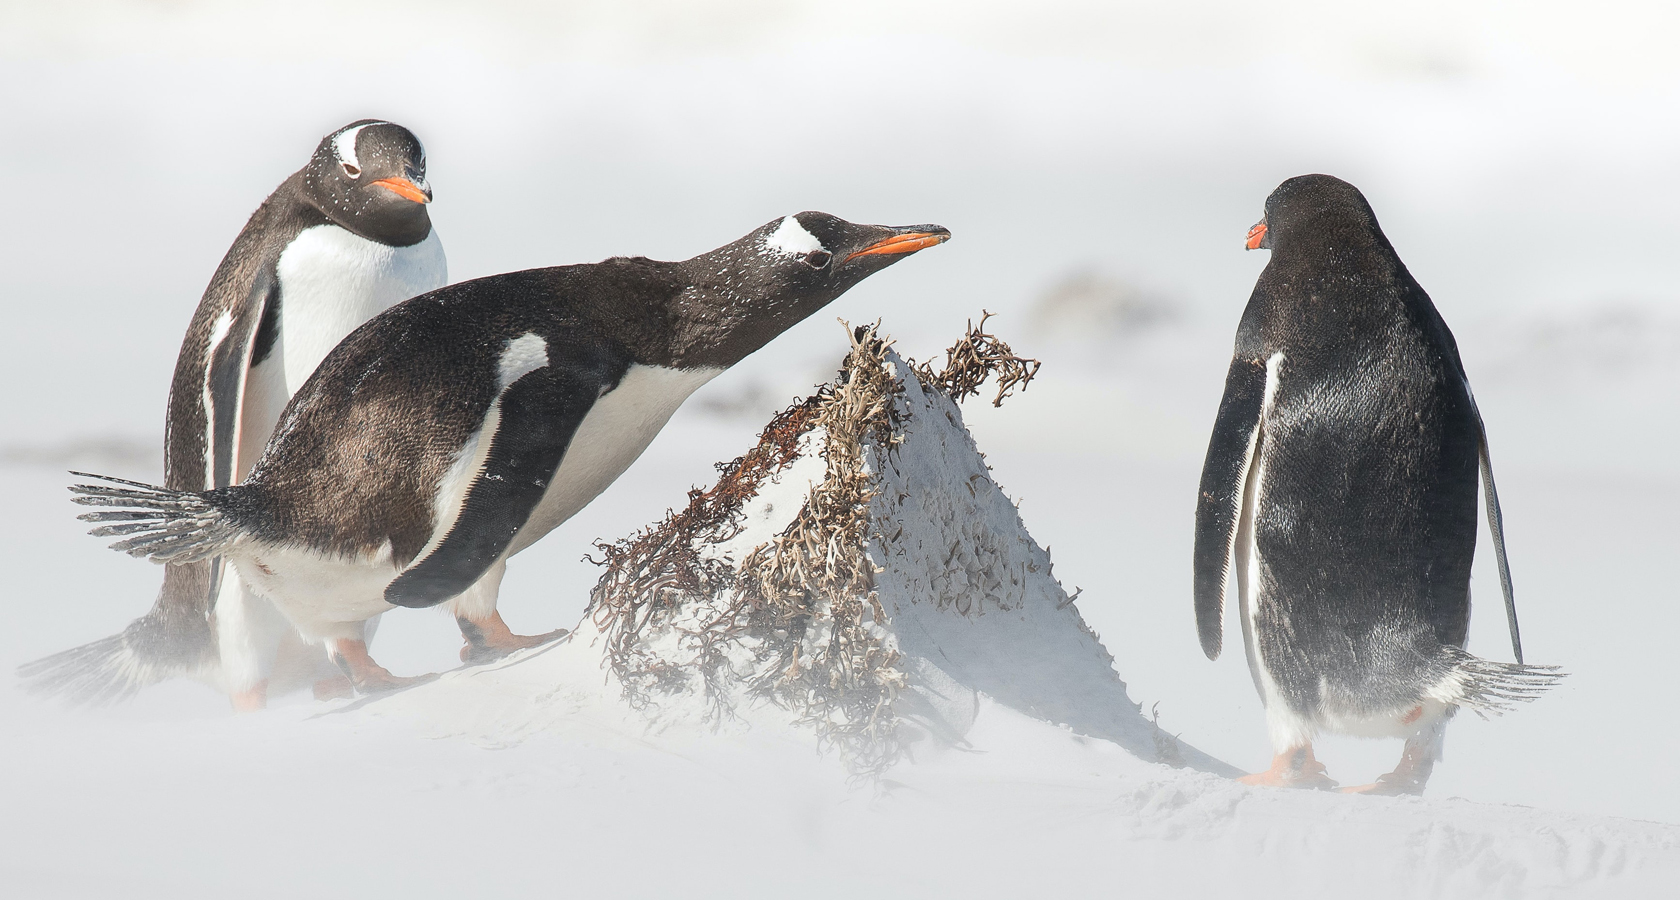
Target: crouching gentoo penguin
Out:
[341,240]
[457,428]
[1339,497]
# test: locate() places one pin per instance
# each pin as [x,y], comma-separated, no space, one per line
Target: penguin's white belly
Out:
[616,430]
[331,281]
[324,596]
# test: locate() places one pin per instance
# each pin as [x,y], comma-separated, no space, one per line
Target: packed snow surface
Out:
[539,778]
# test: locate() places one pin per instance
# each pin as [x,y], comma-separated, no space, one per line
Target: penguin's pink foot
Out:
[365,675]
[1387,786]
[1293,768]
[492,639]
[252,699]
[1409,777]
[335,688]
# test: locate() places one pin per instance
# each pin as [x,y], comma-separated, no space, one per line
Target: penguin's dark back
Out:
[360,450]
[1368,501]
[280,218]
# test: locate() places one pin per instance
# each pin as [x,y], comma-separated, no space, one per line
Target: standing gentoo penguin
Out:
[456,429]
[341,240]
[1339,496]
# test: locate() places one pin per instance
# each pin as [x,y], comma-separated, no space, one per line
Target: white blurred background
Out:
[1098,163]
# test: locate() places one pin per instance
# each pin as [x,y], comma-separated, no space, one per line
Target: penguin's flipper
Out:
[1220,504]
[172,640]
[1496,525]
[232,345]
[538,415]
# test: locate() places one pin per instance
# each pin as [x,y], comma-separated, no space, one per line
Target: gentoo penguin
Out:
[455,429]
[341,240]
[1338,498]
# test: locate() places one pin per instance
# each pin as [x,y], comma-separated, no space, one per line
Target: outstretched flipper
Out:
[1496,525]
[1222,502]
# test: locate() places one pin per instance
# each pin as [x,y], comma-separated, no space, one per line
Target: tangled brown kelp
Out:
[654,572]
[796,620]
[974,359]
[815,582]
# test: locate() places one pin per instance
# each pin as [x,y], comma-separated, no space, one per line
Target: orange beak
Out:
[405,189]
[1256,235]
[903,243]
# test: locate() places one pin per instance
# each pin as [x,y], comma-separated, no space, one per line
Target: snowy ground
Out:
[1517,166]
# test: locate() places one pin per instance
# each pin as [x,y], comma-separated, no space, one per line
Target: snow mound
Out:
[860,570]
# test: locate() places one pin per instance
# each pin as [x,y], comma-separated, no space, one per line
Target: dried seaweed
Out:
[816,581]
[797,622]
[978,356]
[657,570]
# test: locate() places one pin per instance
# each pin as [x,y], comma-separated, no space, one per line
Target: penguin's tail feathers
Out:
[174,639]
[1489,687]
[101,673]
[157,523]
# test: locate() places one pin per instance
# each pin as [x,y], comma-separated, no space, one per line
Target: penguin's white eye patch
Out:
[344,147]
[818,259]
[791,238]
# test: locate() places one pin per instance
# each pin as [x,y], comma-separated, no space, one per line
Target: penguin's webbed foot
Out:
[492,639]
[1410,777]
[1387,786]
[367,676]
[252,699]
[335,688]
[1293,768]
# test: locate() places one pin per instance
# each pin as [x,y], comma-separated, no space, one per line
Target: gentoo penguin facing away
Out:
[341,240]
[456,429]
[1339,498]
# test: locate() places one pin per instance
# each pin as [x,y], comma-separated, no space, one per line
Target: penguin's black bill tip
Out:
[405,189]
[1257,236]
[923,237]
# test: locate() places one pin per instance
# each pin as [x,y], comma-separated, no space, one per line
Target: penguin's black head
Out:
[789,268]
[816,255]
[1310,211]
[369,177]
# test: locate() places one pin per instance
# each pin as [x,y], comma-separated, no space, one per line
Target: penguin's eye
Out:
[817,259]
[352,171]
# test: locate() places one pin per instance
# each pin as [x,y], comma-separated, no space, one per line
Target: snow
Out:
[1520,165]
[972,597]
[535,773]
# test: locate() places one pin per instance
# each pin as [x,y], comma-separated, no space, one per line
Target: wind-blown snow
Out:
[1029,724]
